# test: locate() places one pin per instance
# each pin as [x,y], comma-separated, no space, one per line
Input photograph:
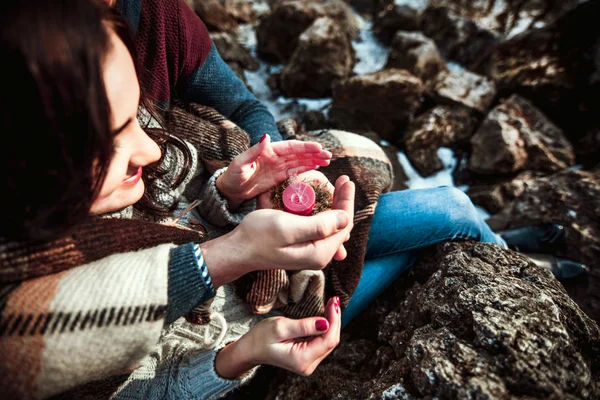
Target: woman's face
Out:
[134,150]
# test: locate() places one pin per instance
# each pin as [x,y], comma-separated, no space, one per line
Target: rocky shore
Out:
[512,90]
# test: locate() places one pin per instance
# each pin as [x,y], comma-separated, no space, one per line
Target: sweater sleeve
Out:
[214,208]
[178,373]
[182,364]
[190,284]
[214,84]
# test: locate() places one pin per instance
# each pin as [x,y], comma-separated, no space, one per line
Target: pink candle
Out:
[299,198]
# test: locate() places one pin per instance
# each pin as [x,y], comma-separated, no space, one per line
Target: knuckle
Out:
[278,328]
[322,228]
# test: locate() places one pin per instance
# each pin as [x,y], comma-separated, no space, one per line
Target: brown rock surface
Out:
[516,136]
[392,18]
[556,67]
[441,126]
[278,32]
[382,101]
[323,57]
[506,16]
[462,88]
[233,52]
[458,38]
[214,14]
[417,54]
[469,321]
[570,198]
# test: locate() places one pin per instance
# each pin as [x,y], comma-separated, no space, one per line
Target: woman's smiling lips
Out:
[133,179]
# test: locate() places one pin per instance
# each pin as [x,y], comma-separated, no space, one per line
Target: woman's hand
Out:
[298,345]
[265,165]
[274,239]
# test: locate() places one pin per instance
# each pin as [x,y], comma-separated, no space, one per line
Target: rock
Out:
[570,198]
[469,321]
[557,67]
[417,54]
[241,10]
[515,136]
[587,149]
[214,15]
[324,56]
[462,88]
[392,18]
[458,38]
[508,18]
[495,196]
[315,120]
[278,32]
[364,6]
[441,126]
[233,52]
[382,101]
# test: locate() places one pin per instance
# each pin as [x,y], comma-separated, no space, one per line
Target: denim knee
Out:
[461,211]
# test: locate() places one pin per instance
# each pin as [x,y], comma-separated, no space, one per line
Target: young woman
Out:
[75,310]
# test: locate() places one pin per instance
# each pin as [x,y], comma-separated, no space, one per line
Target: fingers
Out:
[288,147]
[252,154]
[288,329]
[340,254]
[319,349]
[343,198]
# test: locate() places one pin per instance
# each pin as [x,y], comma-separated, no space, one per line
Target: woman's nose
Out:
[147,150]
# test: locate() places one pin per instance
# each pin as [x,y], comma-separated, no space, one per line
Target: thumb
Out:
[318,226]
[297,328]
[252,154]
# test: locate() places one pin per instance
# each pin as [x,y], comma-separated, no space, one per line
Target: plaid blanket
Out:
[41,293]
[303,293]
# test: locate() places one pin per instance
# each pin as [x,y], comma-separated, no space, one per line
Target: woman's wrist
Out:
[234,360]
[234,200]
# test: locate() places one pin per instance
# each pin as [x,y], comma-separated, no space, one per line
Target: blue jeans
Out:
[405,222]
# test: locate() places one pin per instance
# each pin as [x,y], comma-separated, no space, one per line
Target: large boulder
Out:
[458,38]
[470,321]
[324,56]
[508,18]
[570,198]
[441,126]
[462,88]
[365,6]
[392,18]
[417,54]
[383,101]
[278,32]
[587,149]
[557,67]
[515,136]
[233,52]
[214,14]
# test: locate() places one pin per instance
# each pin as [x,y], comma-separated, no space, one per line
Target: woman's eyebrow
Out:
[120,129]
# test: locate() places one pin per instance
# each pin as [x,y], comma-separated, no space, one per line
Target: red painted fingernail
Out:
[337,301]
[322,325]
[262,138]
[337,308]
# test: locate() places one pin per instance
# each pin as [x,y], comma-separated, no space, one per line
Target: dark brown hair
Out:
[55,114]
